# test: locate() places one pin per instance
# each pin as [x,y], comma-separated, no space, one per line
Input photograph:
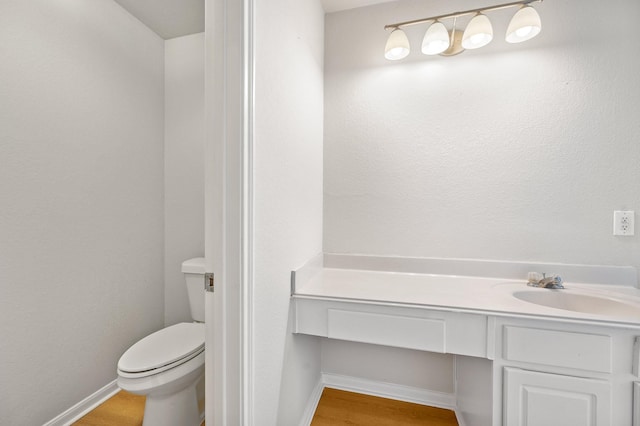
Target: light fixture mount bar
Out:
[457,14]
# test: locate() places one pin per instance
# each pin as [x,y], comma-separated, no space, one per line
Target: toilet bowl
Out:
[168,365]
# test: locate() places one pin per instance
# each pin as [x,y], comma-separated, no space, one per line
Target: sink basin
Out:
[579,302]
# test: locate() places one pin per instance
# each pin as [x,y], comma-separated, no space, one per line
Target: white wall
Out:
[514,152]
[288,199]
[81,223]
[385,364]
[183,167]
[510,152]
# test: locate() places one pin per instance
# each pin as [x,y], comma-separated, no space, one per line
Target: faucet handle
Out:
[557,280]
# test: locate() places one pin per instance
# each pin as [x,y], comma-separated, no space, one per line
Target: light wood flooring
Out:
[122,409]
[339,407]
[336,408]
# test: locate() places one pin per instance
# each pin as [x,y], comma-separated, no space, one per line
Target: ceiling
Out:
[338,5]
[175,18]
[168,18]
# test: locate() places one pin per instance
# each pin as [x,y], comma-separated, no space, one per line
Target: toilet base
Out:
[174,397]
[180,408]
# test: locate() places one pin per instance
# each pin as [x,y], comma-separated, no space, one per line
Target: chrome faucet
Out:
[552,282]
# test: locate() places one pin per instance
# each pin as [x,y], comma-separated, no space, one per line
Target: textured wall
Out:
[288,199]
[183,167]
[514,152]
[81,221]
[510,152]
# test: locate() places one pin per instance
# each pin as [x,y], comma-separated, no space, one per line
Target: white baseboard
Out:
[84,406]
[460,419]
[312,404]
[390,390]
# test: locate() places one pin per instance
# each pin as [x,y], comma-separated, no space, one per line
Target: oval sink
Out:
[577,302]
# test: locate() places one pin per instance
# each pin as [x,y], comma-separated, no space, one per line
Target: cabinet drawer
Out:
[404,327]
[591,352]
[390,330]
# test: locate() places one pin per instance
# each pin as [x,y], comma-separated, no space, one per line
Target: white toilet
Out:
[168,365]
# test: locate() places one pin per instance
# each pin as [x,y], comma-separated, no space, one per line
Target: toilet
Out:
[168,365]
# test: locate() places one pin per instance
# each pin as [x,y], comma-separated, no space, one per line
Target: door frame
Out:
[229,106]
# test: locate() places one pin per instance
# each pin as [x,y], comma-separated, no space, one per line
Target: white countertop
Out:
[493,296]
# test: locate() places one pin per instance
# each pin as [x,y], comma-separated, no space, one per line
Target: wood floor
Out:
[339,407]
[122,409]
[336,408]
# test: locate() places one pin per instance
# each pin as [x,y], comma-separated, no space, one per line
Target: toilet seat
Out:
[163,350]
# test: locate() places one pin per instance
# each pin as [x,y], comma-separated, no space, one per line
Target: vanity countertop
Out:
[473,294]
[478,309]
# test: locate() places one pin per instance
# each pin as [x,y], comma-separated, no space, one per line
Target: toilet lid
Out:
[163,347]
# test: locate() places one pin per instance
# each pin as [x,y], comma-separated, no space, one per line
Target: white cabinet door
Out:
[532,398]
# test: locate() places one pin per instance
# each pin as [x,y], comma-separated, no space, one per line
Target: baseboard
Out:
[312,404]
[460,419]
[84,406]
[390,390]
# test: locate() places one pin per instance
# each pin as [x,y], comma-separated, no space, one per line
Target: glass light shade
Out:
[397,46]
[436,39]
[478,33]
[524,25]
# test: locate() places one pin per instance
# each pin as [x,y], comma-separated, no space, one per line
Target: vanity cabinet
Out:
[557,373]
[545,372]
[517,363]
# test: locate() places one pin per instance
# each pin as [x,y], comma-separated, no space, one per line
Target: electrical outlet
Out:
[623,222]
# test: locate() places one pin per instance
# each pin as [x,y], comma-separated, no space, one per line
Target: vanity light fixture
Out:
[436,39]
[397,45]
[524,25]
[478,33]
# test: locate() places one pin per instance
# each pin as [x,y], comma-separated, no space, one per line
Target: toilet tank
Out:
[193,270]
